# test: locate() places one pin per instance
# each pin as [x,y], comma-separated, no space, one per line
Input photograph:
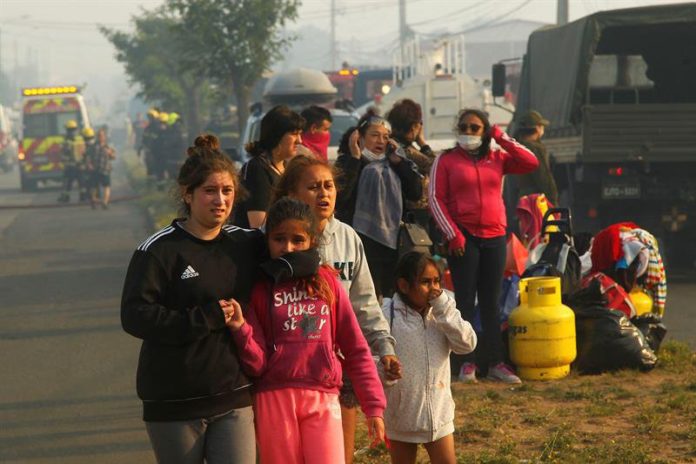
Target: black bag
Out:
[413,237]
[606,339]
[653,329]
[559,258]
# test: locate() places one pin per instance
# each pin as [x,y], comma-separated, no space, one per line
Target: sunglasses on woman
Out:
[472,127]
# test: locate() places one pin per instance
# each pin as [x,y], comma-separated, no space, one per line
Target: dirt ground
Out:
[622,417]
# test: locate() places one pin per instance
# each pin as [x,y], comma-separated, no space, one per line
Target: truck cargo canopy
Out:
[557,66]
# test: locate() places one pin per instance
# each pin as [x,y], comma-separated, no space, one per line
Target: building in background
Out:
[487,45]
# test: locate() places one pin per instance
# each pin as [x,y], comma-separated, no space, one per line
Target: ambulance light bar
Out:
[33,91]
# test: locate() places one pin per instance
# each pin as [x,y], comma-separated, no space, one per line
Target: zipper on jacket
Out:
[428,395]
[478,179]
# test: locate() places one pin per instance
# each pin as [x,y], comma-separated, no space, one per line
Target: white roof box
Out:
[300,81]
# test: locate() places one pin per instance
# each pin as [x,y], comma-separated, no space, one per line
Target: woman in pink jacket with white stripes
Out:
[466,201]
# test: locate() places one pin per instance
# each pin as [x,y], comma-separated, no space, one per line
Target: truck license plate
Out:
[628,191]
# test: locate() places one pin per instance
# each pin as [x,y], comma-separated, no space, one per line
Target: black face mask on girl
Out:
[293,265]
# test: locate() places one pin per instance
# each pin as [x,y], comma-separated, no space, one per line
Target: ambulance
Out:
[44,113]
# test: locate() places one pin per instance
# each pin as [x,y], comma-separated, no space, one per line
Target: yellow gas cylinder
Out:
[524,283]
[542,332]
[641,301]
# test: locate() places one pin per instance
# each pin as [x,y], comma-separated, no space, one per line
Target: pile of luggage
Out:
[616,286]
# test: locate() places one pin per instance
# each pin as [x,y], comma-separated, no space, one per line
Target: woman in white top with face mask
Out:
[376,180]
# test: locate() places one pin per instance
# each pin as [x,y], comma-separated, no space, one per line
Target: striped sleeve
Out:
[519,159]
[154,237]
[438,192]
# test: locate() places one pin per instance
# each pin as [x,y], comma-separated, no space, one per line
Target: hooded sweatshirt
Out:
[420,405]
[341,248]
[466,192]
[290,339]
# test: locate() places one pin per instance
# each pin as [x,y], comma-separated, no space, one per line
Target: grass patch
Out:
[558,445]
[634,452]
[614,418]
[602,407]
[649,421]
[675,356]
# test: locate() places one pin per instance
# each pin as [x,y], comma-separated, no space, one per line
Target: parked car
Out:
[8,141]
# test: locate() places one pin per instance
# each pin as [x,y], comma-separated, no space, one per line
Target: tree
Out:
[235,40]
[152,56]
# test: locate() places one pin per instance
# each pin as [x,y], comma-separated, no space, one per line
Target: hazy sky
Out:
[61,35]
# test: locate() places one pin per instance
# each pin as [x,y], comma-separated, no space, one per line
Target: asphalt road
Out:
[67,393]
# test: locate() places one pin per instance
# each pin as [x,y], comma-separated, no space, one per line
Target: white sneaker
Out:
[467,373]
[501,372]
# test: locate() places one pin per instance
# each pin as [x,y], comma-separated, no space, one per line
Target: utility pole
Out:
[333,35]
[561,12]
[15,81]
[0,53]
[402,35]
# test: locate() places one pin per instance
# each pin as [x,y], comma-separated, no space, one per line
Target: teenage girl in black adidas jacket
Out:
[196,399]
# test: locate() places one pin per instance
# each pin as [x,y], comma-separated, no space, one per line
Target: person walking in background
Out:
[148,142]
[288,339]
[312,181]
[196,399]
[281,130]
[175,145]
[99,166]
[467,205]
[88,162]
[317,132]
[160,149]
[427,326]
[139,125]
[377,179]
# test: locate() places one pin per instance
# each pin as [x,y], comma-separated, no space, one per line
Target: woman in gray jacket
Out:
[427,327]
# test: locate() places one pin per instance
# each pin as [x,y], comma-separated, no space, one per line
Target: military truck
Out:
[619,89]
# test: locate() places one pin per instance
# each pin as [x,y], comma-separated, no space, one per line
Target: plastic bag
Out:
[650,324]
[606,338]
[516,256]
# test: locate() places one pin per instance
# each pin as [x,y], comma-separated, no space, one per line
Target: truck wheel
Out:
[27,185]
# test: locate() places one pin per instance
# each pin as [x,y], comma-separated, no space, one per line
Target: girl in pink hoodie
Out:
[288,338]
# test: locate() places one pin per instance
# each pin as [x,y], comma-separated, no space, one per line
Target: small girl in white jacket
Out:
[427,327]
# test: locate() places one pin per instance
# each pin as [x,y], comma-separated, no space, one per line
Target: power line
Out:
[77,26]
[498,19]
[450,15]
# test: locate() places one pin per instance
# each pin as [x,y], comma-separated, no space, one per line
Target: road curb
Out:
[68,205]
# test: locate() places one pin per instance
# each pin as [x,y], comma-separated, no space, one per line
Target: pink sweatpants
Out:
[296,426]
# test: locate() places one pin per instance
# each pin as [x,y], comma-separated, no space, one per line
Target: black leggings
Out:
[480,272]
[382,261]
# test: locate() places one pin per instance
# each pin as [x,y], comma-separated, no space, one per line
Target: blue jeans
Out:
[220,439]
[480,273]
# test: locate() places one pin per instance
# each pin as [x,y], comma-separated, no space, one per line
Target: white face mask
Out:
[469,142]
[371,156]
